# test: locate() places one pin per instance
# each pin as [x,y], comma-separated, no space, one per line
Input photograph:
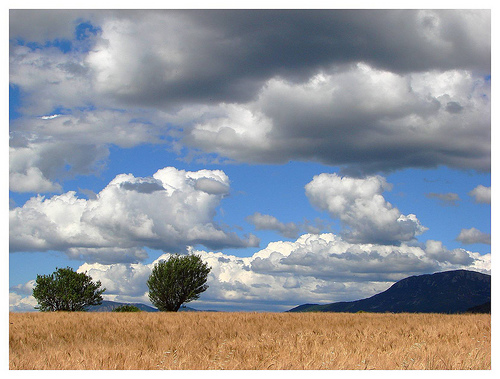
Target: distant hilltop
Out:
[444,292]
[108,306]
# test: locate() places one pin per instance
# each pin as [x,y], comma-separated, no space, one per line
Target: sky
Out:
[307,156]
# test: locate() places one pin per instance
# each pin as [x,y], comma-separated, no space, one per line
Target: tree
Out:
[66,290]
[176,281]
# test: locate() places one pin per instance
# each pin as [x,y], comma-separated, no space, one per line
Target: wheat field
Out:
[260,341]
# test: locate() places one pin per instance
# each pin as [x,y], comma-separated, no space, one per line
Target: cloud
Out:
[312,269]
[43,25]
[32,180]
[473,235]
[481,194]
[42,151]
[437,251]
[34,167]
[445,199]
[24,289]
[19,303]
[266,86]
[211,186]
[21,298]
[359,204]
[361,118]
[143,185]
[268,222]
[165,212]
[217,55]
[49,117]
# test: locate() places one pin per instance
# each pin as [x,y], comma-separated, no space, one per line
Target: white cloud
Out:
[31,181]
[359,204]
[126,216]
[268,222]
[21,298]
[50,117]
[49,79]
[43,150]
[473,235]
[24,289]
[19,303]
[481,194]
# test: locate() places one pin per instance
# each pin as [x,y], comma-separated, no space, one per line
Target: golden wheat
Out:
[289,341]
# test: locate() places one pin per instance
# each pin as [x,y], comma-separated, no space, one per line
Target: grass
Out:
[261,341]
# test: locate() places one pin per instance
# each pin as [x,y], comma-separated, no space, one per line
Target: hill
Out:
[443,292]
[108,306]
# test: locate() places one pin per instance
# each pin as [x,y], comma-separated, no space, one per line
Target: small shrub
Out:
[126,308]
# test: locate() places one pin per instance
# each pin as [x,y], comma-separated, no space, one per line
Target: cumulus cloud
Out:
[481,194]
[32,180]
[165,212]
[473,235]
[20,303]
[268,222]
[314,268]
[445,199]
[24,289]
[359,204]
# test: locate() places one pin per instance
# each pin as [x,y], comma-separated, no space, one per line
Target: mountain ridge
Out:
[453,291]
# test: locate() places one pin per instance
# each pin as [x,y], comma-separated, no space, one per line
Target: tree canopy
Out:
[66,290]
[176,281]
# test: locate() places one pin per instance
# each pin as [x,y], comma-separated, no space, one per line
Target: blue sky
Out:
[308,157]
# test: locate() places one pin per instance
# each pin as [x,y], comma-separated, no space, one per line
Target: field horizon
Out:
[248,341]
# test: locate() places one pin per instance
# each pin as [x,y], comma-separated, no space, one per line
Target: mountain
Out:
[108,306]
[443,292]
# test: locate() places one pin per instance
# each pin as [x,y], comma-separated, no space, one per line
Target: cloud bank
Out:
[260,86]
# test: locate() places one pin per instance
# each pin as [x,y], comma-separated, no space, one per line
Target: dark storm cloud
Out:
[396,40]
[227,55]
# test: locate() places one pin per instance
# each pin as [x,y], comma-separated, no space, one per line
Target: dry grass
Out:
[290,341]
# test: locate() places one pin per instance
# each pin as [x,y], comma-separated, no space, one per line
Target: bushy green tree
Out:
[126,308]
[176,281]
[66,290]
